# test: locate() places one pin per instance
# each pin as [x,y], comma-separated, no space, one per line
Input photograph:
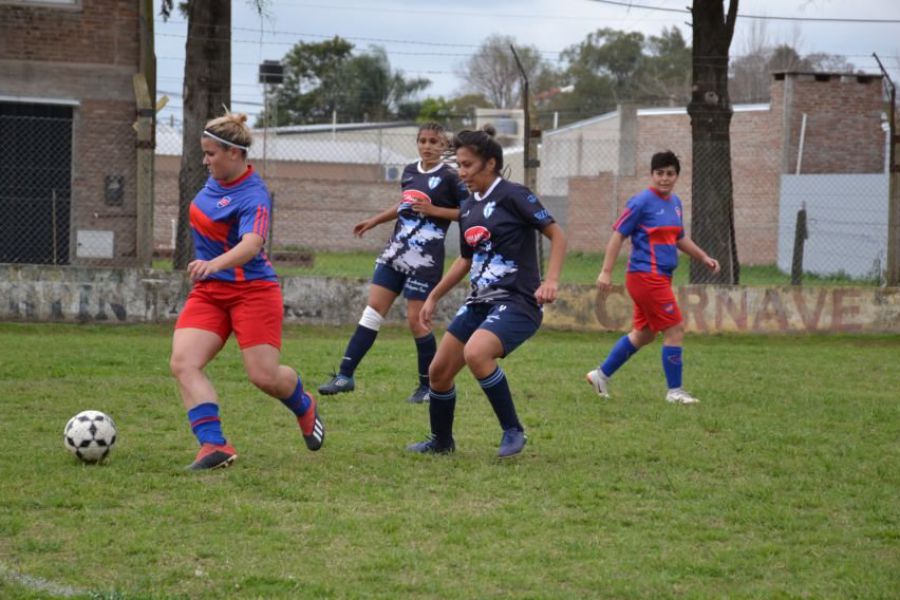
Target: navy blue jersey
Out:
[498,235]
[416,247]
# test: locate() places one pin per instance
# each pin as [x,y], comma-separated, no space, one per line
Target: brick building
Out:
[67,109]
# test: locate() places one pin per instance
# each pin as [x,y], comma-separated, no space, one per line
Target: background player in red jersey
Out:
[413,260]
[653,221]
[235,290]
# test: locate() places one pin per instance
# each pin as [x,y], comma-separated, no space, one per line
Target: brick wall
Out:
[86,53]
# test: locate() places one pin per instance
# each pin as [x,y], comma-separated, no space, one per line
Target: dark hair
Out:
[431,126]
[482,143]
[664,159]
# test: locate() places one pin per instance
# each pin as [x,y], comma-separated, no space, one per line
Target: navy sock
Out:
[496,387]
[205,423]
[671,360]
[621,352]
[441,409]
[360,342]
[298,402]
[426,347]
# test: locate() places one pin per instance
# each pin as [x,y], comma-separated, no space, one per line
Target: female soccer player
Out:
[498,251]
[235,290]
[413,260]
[652,219]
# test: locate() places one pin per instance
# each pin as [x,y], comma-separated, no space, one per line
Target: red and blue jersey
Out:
[653,222]
[221,214]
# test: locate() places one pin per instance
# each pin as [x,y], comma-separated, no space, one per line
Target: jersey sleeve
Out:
[465,250]
[255,214]
[679,208]
[630,217]
[531,210]
[458,189]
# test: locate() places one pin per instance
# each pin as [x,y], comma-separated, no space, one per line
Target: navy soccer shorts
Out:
[411,287]
[509,323]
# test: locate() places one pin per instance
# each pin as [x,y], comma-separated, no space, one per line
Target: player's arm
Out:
[613,246]
[546,293]
[454,275]
[688,246]
[249,247]
[430,210]
[389,214]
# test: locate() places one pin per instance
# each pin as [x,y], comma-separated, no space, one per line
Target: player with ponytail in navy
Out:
[499,223]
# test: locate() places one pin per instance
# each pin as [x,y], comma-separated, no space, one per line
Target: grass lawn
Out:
[580,267]
[782,483]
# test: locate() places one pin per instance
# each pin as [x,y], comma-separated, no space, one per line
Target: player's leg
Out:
[448,361]
[386,286]
[257,320]
[502,332]
[672,350]
[200,332]
[416,292]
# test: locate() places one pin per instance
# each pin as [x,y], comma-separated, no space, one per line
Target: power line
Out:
[683,11]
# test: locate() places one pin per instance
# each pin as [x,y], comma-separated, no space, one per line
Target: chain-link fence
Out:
[67,187]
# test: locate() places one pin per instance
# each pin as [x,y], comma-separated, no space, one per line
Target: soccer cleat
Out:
[311,425]
[432,446]
[339,383]
[598,381]
[512,442]
[679,396]
[213,456]
[419,395]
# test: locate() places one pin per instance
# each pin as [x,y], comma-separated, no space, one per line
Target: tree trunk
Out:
[712,203]
[207,88]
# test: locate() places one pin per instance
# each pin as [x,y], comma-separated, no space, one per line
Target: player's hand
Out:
[201,269]
[424,208]
[546,293]
[712,263]
[362,227]
[604,282]
[426,312]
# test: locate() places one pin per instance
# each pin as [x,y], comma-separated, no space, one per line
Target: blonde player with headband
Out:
[235,290]
[413,260]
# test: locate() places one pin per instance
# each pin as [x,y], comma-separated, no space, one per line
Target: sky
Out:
[433,40]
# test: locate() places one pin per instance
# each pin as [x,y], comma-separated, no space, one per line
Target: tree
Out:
[712,220]
[493,73]
[326,77]
[455,113]
[207,88]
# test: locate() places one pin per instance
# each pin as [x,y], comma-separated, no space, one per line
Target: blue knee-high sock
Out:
[672,365]
[621,352]
[440,410]
[205,423]
[426,348]
[298,402]
[496,388]
[360,342]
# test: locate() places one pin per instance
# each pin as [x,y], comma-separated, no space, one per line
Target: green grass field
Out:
[580,267]
[783,483]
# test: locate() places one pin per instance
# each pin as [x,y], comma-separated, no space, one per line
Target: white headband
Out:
[224,141]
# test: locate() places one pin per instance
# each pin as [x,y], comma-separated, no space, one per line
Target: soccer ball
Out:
[90,435]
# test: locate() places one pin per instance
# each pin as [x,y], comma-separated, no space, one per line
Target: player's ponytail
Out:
[230,130]
[482,144]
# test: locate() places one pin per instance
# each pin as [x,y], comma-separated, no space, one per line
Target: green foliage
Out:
[780,484]
[322,77]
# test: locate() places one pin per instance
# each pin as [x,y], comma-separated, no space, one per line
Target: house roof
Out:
[168,143]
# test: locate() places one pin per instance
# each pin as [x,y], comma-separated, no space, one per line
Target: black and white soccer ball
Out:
[90,435]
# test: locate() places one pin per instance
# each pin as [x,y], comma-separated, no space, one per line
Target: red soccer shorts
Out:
[654,301]
[253,310]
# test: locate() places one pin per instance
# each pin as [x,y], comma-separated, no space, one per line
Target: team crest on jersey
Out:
[489,209]
[223,202]
[433,182]
[477,234]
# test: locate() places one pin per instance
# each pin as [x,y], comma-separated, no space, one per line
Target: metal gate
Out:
[35,182]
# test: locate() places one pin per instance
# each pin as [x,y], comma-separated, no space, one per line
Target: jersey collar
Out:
[659,194]
[234,182]
[431,170]
[480,197]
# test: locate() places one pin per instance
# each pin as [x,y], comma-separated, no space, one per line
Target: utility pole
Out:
[531,140]
[892,274]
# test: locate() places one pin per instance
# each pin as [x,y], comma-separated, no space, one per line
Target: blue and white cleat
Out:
[338,384]
[598,381]
[512,442]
